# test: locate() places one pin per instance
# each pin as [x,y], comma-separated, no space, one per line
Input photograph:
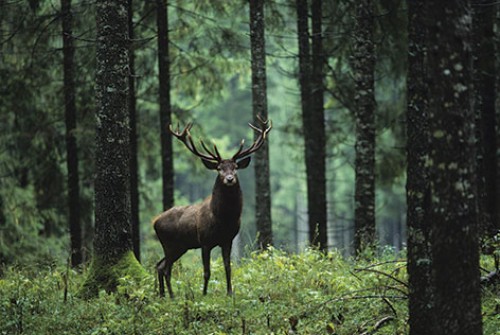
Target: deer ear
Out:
[242,164]
[209,164]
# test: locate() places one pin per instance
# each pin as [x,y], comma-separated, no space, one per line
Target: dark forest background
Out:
[210,85]
[384,141]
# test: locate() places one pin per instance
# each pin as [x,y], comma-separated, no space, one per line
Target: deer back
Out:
[178,225]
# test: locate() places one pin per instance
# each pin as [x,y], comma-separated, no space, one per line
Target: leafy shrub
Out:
[274,293]
[21,241]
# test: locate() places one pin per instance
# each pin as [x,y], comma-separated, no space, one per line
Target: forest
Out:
[370,204]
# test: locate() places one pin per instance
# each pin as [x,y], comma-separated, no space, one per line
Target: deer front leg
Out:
[226,256]
[205,255]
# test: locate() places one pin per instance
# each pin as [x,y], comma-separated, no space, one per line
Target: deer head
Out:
[212,159]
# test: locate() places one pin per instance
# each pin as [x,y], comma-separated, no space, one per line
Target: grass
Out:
[274,293]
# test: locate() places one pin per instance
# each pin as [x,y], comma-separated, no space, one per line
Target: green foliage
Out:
[275,292]
[32,169]
[491,291]
[108,275]
[20,238]
[491,314]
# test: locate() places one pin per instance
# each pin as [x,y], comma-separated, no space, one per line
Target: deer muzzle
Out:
[229,180]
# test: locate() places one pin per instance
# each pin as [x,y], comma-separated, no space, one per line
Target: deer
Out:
[213,222]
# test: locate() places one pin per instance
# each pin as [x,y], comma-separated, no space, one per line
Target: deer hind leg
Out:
[160,268]
[205,255]
[168,275]
[226,257]
[171,255]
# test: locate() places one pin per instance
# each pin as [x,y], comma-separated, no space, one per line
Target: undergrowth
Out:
[274,293]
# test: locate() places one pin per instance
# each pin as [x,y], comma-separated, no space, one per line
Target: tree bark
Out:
[364,67]
[3,258]
[134,166]
[113,256]
[484,85]
[313,127]
[417,185]
[318,141]
[259,107]
[165,105]
[75,229]
[497,113]
[452,171]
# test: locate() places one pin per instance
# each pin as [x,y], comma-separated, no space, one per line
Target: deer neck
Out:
[227,202]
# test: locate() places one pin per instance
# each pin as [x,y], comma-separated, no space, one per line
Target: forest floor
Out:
[274,293]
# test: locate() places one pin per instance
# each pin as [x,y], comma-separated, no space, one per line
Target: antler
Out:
[185,137]
[265,128]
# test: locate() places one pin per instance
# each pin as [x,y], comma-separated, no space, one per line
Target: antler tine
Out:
[215,156]
[270,122]
[239,149]
[261,120]
[263,131]
[186,138]
[171,129]
[177,133]
[217,152]
[255,127]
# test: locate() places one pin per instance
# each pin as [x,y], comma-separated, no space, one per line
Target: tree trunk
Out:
[75,230]
[497,113]
[313,135]
[364,67]
[452,171]
[134,166]
[3,258]
[318,140]
[417,185]
[259,107]
[113,256]
[484,85]
[165,106]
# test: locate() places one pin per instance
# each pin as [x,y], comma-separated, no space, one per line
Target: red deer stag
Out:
[213,222]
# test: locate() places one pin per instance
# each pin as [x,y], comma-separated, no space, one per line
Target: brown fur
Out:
[213,222]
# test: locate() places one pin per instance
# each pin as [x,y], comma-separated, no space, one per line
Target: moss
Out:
[102,275]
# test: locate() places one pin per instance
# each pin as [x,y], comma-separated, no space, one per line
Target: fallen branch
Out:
[348,297]
[380,323]
[491,279]
[384,274]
